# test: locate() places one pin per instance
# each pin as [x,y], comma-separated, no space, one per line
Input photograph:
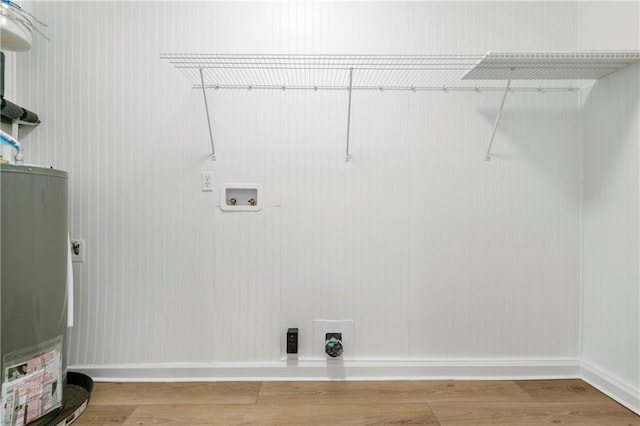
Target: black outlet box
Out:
[292,341]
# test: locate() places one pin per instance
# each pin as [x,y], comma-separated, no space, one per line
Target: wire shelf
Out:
[550,66]
[537,71]
[541,72]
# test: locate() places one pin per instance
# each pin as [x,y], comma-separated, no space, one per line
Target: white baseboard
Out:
[623,393]
[307,370]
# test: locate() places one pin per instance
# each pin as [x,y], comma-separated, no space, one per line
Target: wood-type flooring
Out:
[446,403]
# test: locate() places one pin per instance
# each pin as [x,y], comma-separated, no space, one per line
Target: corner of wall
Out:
[610,236]
[615,389]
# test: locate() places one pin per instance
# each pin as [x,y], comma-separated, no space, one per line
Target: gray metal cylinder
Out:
[34,250]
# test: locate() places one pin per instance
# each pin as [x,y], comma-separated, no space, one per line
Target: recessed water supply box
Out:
[241,197]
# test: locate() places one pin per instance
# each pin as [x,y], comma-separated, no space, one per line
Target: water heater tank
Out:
[33,294]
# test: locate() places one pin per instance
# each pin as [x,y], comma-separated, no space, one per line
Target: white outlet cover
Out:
[206,181]
[322,327]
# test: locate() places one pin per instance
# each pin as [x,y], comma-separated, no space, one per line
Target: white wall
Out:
[611,299]
[433,252]
[611,215]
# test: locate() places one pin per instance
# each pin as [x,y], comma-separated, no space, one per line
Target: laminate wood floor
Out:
[446,403]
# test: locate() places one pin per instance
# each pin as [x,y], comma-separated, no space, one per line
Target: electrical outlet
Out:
[206,180]
[292,341]
[77,250]
[333,345]
[341,330]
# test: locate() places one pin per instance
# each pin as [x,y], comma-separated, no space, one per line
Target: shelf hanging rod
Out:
[348,157]
[206,110]
[477,89]
[495,125]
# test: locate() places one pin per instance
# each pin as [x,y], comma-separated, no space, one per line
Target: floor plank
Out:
[390,392]
[96,415]
[175,393]
[607,413]
[560,390]
[319,414]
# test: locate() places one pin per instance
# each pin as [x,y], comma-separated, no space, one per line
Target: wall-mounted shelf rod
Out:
[206,110]
[495,125]
[348,157]
[478,89]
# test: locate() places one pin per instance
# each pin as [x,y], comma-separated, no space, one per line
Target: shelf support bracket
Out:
[495,125]
[348,157]
[206,110]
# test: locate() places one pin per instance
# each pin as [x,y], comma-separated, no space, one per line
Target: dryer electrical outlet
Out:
[333,346]
[328,328]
